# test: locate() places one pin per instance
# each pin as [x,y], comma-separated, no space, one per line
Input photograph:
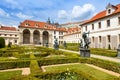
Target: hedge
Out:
[2,42]
[113,66]
[34,67]
[43,62]
[14,64]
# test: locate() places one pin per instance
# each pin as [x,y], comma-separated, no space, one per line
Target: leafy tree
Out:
[2,42]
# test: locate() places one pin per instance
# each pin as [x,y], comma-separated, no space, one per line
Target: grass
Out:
[83,68]
[8,74]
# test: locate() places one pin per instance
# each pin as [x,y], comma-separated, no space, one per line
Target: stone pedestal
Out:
[118,52]
[84,53]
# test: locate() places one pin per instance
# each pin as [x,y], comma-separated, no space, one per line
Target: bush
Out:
[34,67]
[2,42]
[14,64]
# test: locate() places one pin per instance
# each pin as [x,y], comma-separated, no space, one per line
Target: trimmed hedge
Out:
[34,67]
[43,62]
[113,66]
[2,42]
[14,64]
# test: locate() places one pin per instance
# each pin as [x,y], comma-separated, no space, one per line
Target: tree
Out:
[2,42]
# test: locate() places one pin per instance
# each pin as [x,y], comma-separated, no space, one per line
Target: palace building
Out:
[104,28]
[35,32]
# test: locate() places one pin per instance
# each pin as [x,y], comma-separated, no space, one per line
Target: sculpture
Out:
[64,44]
[56,45]
[86,43]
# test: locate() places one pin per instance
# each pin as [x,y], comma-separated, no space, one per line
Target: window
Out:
[5,34]
[86,28]
[15,35]
[54,37]
[99,25]
[109,11]
[109,38]
[92,26]
[118,20]
[93,39]
[10,34]
[15,41]
[100,39]
[108,23]
[54,32]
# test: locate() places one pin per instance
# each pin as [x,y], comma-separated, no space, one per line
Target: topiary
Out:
[2,42]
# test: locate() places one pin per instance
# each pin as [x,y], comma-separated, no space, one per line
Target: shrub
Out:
[2,42]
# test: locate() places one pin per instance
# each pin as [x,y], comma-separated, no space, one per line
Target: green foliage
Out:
[14,64]
[2,42]
[9,74]
[34,67]
[9,44]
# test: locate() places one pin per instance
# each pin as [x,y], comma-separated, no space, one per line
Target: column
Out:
[21,38]
[31,37]
[41,39]
[50,40]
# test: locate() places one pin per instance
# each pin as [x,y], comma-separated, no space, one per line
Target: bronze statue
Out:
[86,40]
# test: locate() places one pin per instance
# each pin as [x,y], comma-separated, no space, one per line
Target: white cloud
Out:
[62,14]
[78,12]
[23,16]
[3,13]
[85,11]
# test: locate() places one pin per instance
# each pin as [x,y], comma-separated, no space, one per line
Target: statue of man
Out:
[86,40]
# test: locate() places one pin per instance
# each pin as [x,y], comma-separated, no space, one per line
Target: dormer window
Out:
[36,25]
[109,11]
[27,24]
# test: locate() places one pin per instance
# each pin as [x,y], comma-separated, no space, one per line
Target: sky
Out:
[12,12]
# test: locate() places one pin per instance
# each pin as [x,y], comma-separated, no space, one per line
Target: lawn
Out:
[82,68]
[8,74]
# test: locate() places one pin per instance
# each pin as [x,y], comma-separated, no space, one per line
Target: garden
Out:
[49,64]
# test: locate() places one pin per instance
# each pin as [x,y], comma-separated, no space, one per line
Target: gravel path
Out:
[97,56]
[25,71]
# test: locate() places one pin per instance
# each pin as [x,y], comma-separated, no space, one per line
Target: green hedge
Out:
[2,42]
[14,64]
[113,66]
[44,61]
[34,67]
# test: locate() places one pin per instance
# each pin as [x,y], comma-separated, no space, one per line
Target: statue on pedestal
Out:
[56,45]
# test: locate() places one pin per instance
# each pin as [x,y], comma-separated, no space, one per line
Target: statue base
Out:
[84,53]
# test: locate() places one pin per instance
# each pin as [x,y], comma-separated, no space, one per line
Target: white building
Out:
[35,32]
[10,34]
[73,35]
[104,28]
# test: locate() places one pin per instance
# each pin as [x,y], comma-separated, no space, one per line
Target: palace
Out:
[104,28]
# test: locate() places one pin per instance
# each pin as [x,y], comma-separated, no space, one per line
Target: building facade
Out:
[35,32]
[10,34]
[104,28]
[73,35]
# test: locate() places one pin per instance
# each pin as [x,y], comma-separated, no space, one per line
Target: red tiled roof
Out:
[73,30]
[42,25]
[8,28]
[102,14]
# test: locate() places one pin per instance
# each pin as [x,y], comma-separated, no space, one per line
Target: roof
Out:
[8,28]
[73,30]
[102,14]
[41,25]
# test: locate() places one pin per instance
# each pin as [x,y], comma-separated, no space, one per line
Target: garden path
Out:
[25,71]
[96,67]
[96,56]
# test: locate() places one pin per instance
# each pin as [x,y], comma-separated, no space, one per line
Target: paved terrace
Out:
[96,56]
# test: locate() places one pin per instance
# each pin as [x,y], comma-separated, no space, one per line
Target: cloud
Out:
[78,12]
[62,14]
[23,16]
[3,13]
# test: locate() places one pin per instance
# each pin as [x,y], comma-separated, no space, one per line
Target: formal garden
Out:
[49,64]
[43,63]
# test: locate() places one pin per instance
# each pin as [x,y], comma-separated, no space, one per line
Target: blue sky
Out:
[12,12]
